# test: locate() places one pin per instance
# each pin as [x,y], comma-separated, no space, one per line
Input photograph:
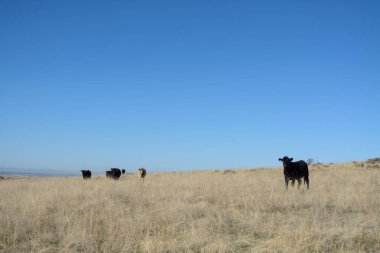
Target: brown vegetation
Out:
[217,211]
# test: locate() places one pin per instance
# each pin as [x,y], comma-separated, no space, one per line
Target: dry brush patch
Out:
[239,211]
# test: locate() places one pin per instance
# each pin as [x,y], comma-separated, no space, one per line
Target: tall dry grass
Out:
[233,211]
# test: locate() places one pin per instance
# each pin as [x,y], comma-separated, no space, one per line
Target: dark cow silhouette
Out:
[109,174]
[86,174]
[295,171]
[114,173]
[142,173]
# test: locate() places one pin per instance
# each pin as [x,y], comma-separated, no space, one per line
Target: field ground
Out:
[245,210]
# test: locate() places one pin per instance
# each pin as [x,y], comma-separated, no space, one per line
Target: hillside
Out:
[245,210]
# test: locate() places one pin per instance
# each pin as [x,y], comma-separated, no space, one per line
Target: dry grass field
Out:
[216,211]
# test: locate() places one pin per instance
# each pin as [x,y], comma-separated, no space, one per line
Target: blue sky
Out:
[187,85]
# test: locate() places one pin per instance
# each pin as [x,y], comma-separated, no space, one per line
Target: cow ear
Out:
[280,159]
[291,159]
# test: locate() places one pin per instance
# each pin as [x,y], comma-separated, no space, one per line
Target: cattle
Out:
[86,174]
[114,173]
[295,171]
[109,174]
[142,173]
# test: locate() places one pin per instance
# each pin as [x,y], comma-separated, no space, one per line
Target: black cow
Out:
[295,171]
[114,173]
[86,174]
[109,174]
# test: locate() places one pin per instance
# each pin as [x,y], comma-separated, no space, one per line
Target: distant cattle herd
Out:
[292,171]
[114,173]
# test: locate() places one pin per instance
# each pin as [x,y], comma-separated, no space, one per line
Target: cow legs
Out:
[299,182]
[286,182]
[293,182]
[306,180]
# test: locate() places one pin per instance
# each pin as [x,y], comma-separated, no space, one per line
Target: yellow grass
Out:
[216,211]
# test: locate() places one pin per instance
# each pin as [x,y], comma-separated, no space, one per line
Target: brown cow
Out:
[142,173]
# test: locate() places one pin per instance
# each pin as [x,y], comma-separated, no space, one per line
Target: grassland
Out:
[216,211]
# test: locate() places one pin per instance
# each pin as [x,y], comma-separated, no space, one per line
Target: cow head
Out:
[285,160]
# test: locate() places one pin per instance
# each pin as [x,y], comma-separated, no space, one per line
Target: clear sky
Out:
[187,85]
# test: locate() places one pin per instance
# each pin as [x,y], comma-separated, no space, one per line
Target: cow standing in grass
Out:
[114,173]
[142,173]
[86,174]
[295,171]
[109,174]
